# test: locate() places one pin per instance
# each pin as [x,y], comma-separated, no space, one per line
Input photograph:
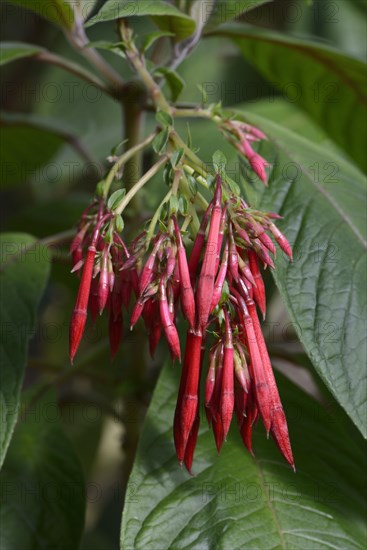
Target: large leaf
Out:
[23,274]
[165,15]
[323,200]
[43,500]
[328,84]
[10,51]
[236,501]
[56,11]
[29,142]
[225,10]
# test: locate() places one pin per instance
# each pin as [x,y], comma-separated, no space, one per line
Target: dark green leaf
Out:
[59,12]
[235,501]
[29,142]
[43,494]
[323,200]
[175,82]
[225,10]
[24,268]
[167,17]
[360,5]
[10,51]
[328,84]
[160,141]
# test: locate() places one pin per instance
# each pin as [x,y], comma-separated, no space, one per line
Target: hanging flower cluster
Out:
[218,289]
[241,135]
[232,241]
[99,253]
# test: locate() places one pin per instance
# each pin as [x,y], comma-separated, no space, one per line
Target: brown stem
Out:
[134,116]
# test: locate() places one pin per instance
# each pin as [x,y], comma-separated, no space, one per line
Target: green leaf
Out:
[117,48]
[160,141]
[59,12]
[235,501]
[29,142]
[173,205]
[116,198]
[43,493]
[176,157]
[119,223]
[225,10]
[360,5]
[328,84]
[24,268]
[166,16]
[11,51]
[219,161]
[175,82]
[150,39]
[323,200]
[164,118]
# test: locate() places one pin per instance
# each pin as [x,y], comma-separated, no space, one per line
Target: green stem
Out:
[199,178]
[198,198]
[79,40]
[195,112]
[133,124]
[124,158]
[197,164]
[157,213]
[143,180]
[138,64]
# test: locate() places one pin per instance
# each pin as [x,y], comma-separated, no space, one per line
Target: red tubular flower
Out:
[154,335]
[147,272]
[222,228]
[260,382]
[79,316]
[191,444]
[198,245]
[187,402]
[249,420]
[210,379]
[186,291]
[104,285]
[205,289]
[259,288]
[227,390]
[221,277]
[279,428]
[257,162]
[167,323]
[281,240]
[233,255]
[93,299]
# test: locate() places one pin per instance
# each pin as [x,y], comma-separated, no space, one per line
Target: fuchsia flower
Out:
[103,259]
[218,291]
[239,375]
[241,135]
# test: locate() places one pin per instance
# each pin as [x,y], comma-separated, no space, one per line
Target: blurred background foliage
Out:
[59,164]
